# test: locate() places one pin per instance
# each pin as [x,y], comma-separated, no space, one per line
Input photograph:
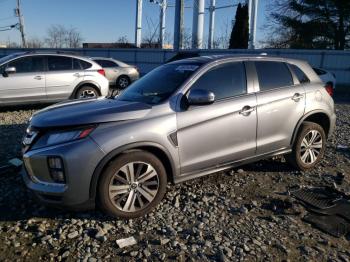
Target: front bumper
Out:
[80,159]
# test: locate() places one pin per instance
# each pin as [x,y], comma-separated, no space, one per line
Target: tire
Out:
[134,199]
[86,92]
[123,82]
[309,147]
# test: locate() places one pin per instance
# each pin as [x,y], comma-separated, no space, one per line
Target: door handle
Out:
[246,110]
[38,77]
[296,97]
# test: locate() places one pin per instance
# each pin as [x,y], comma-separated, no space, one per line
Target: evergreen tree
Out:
[315,24]
[240,32]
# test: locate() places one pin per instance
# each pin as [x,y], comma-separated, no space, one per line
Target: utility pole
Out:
[212,9]
[18,13]
[198,24]
[211,24]
[178,26]
[253,14]
[162,23]
[138,24]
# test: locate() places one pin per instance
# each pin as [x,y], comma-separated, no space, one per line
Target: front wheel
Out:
[132,185]
[309,147]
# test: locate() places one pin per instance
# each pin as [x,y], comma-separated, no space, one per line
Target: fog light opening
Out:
[56,169]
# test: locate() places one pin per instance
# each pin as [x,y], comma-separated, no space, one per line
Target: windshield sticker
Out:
[186,68]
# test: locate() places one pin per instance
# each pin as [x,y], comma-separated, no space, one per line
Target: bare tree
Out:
[150,38]
[73,38]
[35,42]
[123,40]
[186,39]
[59,36]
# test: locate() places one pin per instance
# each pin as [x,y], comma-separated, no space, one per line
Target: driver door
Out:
[27,84]
[222,132]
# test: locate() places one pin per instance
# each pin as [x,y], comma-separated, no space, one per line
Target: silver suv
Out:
[46,77]
[182,120]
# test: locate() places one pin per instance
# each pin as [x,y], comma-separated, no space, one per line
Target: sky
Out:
[107,20]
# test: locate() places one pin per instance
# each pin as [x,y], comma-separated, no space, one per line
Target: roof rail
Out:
[51,52]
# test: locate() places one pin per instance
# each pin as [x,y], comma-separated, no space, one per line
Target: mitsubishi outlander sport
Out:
[183,120]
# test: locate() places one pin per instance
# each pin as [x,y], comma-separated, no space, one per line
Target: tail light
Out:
[102,72]
[329,89]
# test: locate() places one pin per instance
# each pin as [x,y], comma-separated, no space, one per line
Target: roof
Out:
[213,58]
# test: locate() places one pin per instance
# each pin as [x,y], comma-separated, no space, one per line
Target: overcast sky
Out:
[107,20]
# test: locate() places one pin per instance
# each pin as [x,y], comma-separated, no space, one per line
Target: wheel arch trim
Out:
[302,119]
[88,82]
[133,146]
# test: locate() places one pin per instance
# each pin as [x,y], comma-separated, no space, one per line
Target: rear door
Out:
[63,75]
[281,103]
[27,84]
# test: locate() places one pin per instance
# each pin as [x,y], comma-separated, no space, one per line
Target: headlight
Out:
[62,136]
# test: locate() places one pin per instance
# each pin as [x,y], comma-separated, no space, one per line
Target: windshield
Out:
[6,58]
[158,85]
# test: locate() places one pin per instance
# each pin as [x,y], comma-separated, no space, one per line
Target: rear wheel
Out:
[86,92]
[132,185]
[123,82]
[309,147]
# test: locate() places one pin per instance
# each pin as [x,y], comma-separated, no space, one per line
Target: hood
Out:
[90,111]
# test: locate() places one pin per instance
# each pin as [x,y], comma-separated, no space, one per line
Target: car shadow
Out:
[268,165]
[11,141]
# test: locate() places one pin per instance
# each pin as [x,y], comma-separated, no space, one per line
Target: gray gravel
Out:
[243,214]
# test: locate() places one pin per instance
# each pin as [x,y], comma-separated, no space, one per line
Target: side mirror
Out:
[10,70]
[200,97]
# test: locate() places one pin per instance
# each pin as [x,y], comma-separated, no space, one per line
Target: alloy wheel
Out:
[311,147]
[87,93]
[133,186]
[123,82]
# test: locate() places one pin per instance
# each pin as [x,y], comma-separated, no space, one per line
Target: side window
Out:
[224,80]
[273,75]
[76,64]
[85,64]
[300,74]
[29,64]
[59,63]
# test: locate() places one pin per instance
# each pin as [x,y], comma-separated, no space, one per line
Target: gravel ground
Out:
[243,214]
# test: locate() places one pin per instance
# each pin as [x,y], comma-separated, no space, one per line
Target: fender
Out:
[83,83]
[119,150]
[301,120]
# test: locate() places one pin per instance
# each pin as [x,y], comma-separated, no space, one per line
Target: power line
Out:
[7,18]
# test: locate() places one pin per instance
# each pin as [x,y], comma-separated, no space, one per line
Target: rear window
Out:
[299,74]
[319,71]
[106,63]
[273,75]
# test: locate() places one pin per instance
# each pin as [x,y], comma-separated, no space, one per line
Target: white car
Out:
[328,79]
[45,77]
